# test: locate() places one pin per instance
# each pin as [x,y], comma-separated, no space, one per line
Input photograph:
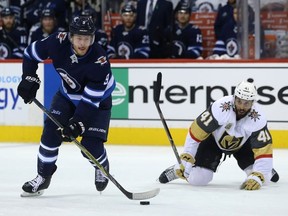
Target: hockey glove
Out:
[184,169]
[253,182]
[72,131]
[28,87]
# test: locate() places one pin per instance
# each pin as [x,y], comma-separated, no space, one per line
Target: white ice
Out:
[72,191]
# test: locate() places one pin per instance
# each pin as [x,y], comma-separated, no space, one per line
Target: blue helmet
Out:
[82,25]
[47,12]
[7,12]
[128,8]
[183,6]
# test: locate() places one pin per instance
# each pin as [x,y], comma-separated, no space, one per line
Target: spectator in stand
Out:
[34,8]
[186,37]
[128,40]
[82,5]
[226,31]
[47,26]
[100,36]
[224,15]
[14,35]
[157,17]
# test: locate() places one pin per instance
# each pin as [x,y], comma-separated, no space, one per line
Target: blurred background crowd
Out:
[144,29]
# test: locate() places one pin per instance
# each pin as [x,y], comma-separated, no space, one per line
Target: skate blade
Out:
[26,194]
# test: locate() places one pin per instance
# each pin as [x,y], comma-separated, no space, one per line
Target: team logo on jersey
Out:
[229,142]
[61,36]
[101,60]
[4,51]
[226,106]
[180,47]
[254,115]
[124,50]
[71,82]
[231,47]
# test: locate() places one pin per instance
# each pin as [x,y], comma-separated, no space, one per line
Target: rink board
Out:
[187,89]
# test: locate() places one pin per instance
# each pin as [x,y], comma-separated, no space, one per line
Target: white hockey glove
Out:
[253,182]
[183,170]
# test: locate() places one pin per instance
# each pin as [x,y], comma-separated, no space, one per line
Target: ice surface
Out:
[136,168]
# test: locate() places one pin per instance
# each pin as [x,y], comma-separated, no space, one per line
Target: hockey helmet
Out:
[88,13]
[82,26]
[128,8]
[183,6]
[7,12]
[48,13]
[246,90]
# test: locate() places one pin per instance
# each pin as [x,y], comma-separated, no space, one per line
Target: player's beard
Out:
[240,113]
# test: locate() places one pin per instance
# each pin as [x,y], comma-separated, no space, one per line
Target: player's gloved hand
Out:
[72,131]
[184,169]
[28,87]
[253,182]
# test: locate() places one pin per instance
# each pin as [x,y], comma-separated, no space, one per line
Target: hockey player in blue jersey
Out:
[47,26]
[186,37]
[227,43]
[128,40]
[12,32]
[226,31]
[83,102]
[100,36]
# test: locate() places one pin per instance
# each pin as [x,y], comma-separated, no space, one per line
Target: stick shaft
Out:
[157,103]
[133,196]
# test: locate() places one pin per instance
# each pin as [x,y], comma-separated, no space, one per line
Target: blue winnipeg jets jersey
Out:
[187,42]
[227,41]
[37,33]
[129,44]
[87,80]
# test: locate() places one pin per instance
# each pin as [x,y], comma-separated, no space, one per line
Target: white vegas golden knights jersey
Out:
[230,135]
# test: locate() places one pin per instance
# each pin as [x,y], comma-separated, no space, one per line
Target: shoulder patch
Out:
[142,27]
[226,106]
[61,36]
[254,115]
[20,28]
[101,60]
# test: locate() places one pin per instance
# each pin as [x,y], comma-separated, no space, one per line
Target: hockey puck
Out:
[144,203]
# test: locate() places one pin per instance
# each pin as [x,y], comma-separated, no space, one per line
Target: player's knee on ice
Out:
[200,176]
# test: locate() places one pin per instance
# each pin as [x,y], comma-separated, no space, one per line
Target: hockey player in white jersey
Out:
[233,125]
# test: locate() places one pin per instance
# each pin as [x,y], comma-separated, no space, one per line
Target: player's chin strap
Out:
[130,195]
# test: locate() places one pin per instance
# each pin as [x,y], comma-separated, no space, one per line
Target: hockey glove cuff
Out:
[28,87]
[253,182]
[184,169]
[72,131]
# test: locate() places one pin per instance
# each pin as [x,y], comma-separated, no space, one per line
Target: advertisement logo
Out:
[120,94]
[8,92]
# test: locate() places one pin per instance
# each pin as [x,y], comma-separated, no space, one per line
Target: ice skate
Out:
[36,186]
[275,176]
[101,181]
[168,175]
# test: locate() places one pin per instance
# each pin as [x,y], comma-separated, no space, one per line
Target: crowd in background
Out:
[148,29]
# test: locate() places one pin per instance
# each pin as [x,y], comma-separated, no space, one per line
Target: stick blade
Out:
[158,87]
[146,195]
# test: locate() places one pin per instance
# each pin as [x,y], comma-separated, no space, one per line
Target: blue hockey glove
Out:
[28,87]
[72,131]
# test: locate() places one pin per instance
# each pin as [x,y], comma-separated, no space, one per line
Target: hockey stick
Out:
[130,195]
[157,92]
